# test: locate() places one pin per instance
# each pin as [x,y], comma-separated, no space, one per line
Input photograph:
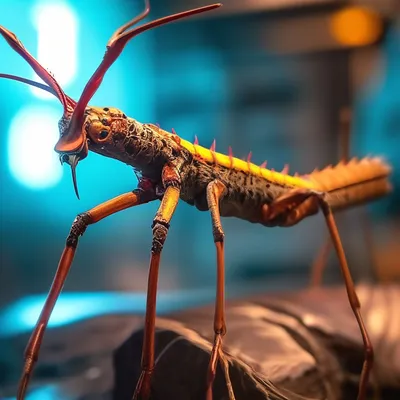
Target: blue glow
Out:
[72,307]
[57,31]
[31,157]
[21,316]
[44,393]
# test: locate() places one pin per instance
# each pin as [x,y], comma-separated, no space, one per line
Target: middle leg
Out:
[215,191]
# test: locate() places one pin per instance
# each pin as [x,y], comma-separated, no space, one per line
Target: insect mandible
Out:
[171,169]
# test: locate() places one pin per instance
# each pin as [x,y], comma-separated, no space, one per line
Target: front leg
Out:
[291,209]
[81,222]
[160,227]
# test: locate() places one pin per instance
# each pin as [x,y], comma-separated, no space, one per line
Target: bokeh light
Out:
[356,26]
[31,156]
[56,26]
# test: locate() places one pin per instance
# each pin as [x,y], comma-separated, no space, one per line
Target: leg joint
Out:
[171,177]
[78,228]
[323,203]
[220,329]
[161,222]
[160,231]
[218,234]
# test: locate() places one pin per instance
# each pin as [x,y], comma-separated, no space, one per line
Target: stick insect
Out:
[173,169]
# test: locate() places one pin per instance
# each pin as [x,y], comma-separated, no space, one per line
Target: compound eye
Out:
[103,134]
[97,131]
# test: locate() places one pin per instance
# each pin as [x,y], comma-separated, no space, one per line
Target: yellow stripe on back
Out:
[248,167]
[239,165]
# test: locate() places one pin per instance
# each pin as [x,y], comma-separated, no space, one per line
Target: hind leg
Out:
[289,210]
[321,260]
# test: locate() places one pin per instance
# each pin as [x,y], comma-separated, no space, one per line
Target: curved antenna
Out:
[132,22]
[73,140]
[30,82]
[71,102]
[17,46]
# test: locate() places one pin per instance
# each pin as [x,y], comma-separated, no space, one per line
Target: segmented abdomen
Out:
[352,183]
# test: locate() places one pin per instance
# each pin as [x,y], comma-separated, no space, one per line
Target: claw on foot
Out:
[225,364]
[217,354]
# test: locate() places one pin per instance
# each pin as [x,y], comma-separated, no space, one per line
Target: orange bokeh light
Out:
[356,26]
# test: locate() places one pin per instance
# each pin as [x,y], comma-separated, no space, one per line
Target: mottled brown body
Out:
[148,148]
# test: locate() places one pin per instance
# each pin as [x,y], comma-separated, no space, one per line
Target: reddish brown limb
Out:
[344,134]
[320,262]
[353,299]
[215,191]
[369,241]
[160,230]
[304,203]
[289,209]
[78,228]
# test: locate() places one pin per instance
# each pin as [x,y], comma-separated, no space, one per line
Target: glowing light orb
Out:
[356,26]
[57,30]
[31,156]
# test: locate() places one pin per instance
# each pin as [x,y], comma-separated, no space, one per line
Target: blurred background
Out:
[265,76]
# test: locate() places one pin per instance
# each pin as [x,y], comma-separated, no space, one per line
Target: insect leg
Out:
[299,204]
[215,190]
[78,228]
[321,260]
[160,230]
[352,295]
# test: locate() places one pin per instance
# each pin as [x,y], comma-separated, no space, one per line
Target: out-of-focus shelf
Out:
[232,7]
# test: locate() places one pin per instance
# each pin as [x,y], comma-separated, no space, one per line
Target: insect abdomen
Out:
[352,183]
[246,194]
[346,184]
